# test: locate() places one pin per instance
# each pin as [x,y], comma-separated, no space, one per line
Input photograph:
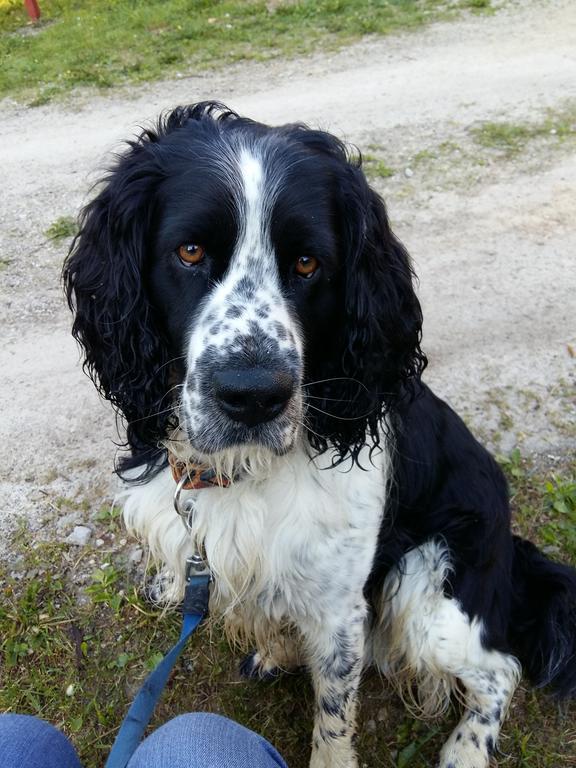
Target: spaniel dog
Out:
[242,302]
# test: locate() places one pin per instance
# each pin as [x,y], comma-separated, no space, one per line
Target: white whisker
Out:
[342,418]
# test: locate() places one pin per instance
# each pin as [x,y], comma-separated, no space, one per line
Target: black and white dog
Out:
[243,303]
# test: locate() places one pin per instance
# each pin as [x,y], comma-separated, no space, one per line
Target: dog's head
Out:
[242,281]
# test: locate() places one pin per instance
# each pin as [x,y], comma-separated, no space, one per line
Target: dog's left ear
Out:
[383,314]
[379,329]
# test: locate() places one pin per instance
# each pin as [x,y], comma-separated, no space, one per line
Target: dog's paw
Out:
[157,588]
[339,758]
[257,667]
[464,755]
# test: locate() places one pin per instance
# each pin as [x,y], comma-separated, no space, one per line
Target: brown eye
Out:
[191,253]
[306,266]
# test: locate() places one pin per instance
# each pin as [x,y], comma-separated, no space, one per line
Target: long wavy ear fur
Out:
[124,353]
[378,358]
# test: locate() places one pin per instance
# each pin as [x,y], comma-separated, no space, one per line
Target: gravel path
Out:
[492,236]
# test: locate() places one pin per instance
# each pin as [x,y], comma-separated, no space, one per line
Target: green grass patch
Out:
[77,639]
[560,500]
[376,168]
[511,138]
[544,505]
[504,135]
[62,228]
[92,43]
[477,5]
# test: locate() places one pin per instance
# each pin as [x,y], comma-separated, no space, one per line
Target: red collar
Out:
[199,475]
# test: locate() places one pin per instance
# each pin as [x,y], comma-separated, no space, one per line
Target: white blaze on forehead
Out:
[254,237]
[252,176]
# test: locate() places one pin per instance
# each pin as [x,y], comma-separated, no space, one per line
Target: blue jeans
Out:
[187,741]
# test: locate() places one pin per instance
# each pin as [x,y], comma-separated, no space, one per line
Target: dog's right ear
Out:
[124,352]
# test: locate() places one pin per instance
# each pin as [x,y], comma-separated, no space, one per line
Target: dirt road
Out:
[491,232]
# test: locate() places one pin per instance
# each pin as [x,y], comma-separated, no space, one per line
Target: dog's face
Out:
[245,276]
[241,269]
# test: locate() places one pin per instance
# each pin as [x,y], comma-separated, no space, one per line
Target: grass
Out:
[471,154]
[545,506]
[62,228]
[77,639]
[477,5]
[511,138]
[92,43]
[376,168]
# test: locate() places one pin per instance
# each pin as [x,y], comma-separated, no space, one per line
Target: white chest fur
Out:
[282,547]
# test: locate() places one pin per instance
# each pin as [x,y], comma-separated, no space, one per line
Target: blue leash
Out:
[194,609]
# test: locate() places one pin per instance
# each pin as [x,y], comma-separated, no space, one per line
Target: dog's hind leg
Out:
[486,694]
[429,648]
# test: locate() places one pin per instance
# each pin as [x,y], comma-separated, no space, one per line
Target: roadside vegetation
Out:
[77,638]
[62,229]
[92,43]
[464,156]
[512,138]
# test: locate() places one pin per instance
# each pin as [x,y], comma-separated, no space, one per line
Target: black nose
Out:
[252,395]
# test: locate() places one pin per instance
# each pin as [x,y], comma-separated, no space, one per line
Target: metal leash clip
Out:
[185,510]
[196,564]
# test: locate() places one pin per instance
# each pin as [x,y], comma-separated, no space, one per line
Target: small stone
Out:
[79,536]
[70,690]
[408,172]
[99,542]
[370,726]
[381,716]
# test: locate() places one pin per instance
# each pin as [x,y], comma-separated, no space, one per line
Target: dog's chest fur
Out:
[290,547]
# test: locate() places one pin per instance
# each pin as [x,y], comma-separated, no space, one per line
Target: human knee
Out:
[207,740]
[28,742]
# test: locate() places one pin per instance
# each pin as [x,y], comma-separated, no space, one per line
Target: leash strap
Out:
[195,608]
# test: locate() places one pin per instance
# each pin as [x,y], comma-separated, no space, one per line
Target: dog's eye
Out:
[306,266]
[191,253]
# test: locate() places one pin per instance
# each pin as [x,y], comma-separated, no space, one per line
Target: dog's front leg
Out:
[335,652]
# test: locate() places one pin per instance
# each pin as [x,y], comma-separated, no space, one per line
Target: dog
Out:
[241,300]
